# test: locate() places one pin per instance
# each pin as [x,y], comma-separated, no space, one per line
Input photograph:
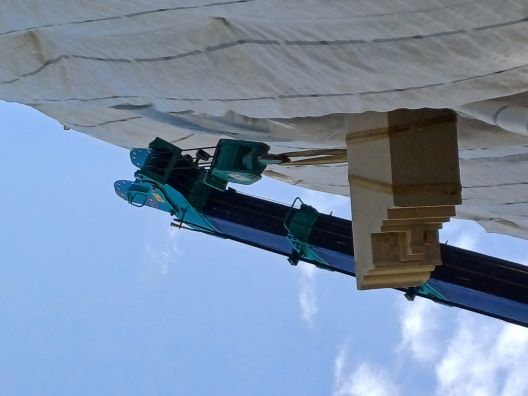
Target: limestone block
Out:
[404,184]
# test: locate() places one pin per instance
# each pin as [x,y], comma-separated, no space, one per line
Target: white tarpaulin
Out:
[285,72]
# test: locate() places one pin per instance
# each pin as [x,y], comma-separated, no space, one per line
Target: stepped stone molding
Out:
[404,184]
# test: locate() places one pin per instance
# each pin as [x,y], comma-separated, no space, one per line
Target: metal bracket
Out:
[299,223]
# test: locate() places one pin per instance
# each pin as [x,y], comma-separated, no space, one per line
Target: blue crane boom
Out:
[186,187]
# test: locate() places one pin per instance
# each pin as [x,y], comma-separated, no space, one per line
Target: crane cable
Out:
[315,157]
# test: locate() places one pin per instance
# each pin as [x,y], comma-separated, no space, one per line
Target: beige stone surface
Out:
[404,183]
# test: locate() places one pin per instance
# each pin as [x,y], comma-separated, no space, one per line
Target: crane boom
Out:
[176,183]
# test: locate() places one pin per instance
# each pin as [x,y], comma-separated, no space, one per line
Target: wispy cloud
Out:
[307,295]
[467,354]
[364,380]
[161,256]
[484,358]
[420,322]
[324,203]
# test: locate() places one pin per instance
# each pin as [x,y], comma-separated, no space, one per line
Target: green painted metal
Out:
[429,291]
[426,290]
[236,161]
[168,178]
[299,223]
[172,180]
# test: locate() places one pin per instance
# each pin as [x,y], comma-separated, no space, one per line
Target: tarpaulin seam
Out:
[255,42]
[131,15]
[279,97]
[147,12]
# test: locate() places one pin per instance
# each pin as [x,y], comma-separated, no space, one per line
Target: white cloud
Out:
[420,327]
[467,354]
[307,295]
[484,357]
[162,256]
[465,368]
[365,380]
[339,364]
[478,357]
[324,203]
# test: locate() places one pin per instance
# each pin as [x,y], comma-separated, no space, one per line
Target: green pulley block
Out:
[236,161]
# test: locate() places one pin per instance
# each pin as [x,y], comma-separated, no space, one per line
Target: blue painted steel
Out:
[439,291]
[273,242]
[145,191]
[280,244]
[342,262]
[484,303]
[436,290]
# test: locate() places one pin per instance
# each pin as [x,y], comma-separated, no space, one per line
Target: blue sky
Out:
[98,297]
